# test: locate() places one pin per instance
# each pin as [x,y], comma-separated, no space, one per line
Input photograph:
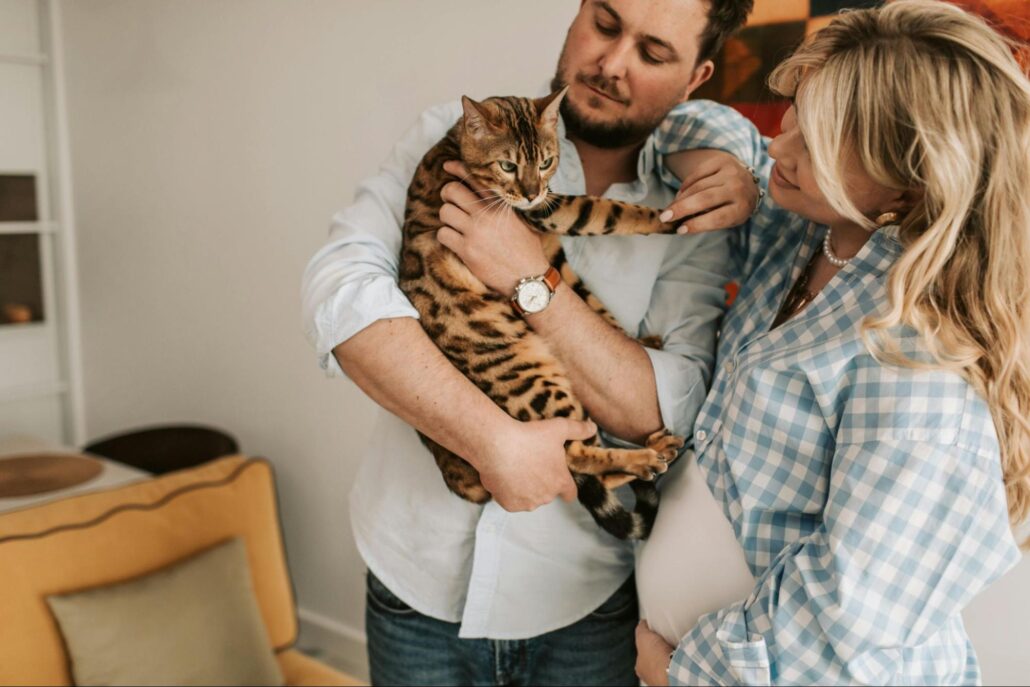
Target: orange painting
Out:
[775,29]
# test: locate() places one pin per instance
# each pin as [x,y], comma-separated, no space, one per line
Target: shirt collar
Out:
[646,158]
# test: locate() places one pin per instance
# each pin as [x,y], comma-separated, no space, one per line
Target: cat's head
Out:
[510,145]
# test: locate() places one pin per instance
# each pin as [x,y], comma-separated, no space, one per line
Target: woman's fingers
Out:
[713,220]
[723,199]
[694,203]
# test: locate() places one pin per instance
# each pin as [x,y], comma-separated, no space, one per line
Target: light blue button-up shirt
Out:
[504,575]
[868,498]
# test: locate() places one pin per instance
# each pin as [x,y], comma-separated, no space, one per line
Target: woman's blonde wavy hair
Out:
[929,98]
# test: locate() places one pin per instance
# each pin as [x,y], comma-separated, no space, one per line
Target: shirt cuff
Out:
[353,307]
[681,390]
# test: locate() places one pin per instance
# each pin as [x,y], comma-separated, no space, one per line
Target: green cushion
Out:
[192,623]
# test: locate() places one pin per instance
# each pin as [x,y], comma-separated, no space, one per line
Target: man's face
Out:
[628,62]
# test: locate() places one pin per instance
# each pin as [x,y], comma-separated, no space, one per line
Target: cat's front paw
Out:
[646,464]
[666,445]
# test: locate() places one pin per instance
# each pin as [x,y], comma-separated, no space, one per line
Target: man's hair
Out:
[724,18]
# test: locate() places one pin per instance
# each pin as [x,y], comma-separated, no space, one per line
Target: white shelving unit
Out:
[40,370]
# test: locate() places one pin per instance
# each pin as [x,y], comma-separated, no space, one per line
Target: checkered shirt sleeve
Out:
[707,124]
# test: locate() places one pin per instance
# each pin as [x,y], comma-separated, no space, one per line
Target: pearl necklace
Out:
[830,255]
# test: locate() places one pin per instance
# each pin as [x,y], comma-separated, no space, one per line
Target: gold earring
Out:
[886,218]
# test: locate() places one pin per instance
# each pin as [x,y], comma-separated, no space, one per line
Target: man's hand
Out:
[717,192]
[525,468]
[489,237]
[653,656]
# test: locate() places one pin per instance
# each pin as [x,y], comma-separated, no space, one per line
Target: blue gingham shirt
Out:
[868,498]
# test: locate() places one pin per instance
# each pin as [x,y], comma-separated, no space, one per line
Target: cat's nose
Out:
[530,191]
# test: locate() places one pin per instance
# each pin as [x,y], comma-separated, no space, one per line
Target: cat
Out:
[510,145]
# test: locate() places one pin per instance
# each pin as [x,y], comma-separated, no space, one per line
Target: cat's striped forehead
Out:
[519,117]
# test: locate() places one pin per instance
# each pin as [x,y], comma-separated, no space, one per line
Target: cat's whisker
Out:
[491,198]
[491,209]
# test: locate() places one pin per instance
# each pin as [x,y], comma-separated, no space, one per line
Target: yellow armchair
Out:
[106,537]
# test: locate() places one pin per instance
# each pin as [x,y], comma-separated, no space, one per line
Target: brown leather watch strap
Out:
[552,278]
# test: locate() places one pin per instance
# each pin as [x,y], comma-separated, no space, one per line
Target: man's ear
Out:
[702,73]
[477,117]
[548,107]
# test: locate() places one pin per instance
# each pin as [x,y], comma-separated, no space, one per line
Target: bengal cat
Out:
[510,145]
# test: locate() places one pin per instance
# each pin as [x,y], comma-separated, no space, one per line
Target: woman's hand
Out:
[717,191]
[653,656]
[490,238]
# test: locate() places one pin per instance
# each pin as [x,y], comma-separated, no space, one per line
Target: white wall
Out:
[211,141]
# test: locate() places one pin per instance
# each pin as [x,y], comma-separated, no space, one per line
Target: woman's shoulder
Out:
[883,398]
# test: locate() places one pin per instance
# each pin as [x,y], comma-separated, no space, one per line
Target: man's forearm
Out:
[610,373]
[395,363]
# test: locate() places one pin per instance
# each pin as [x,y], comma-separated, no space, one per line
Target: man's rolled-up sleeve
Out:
[687,305]
[351,281]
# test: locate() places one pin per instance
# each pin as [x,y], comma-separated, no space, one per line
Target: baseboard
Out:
[336,643]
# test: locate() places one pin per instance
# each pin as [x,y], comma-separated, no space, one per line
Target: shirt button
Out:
[729,366]
[700,435]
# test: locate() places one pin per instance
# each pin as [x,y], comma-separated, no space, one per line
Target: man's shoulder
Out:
[446,113]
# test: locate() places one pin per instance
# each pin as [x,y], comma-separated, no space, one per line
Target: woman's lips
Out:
[778,177]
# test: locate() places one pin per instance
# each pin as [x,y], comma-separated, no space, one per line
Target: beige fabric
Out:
[692,564]
[192,623]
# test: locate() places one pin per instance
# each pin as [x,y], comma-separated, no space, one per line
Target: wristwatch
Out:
[534,293]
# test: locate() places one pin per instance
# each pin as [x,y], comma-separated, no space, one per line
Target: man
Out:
[528,589]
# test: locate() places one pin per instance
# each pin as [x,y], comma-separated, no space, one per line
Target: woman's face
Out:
[792,182]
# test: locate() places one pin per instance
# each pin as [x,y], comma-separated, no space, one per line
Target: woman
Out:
[868,416]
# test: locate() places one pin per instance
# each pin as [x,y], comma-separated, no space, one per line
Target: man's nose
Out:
[615,60]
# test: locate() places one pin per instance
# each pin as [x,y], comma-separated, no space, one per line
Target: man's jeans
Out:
[408,648]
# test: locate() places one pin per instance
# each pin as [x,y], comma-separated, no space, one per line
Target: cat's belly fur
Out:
[692,564]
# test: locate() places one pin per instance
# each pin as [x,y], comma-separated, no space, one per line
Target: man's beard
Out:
[617,134]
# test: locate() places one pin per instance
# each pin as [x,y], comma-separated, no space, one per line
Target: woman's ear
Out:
[903,202]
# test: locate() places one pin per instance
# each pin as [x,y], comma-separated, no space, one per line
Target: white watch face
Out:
[534,296]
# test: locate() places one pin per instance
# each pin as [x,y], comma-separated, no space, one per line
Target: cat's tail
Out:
[611,515]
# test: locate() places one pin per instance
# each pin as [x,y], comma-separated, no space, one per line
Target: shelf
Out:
[12,394]
[22,278]
[22,328]
[29,227]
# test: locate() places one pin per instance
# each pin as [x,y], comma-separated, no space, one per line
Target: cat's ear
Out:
[477,118]
[548,107]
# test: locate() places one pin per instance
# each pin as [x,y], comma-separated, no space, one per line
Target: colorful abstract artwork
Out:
[777,27]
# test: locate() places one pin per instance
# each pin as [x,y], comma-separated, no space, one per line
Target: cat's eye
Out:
[508,167]
[546,164]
